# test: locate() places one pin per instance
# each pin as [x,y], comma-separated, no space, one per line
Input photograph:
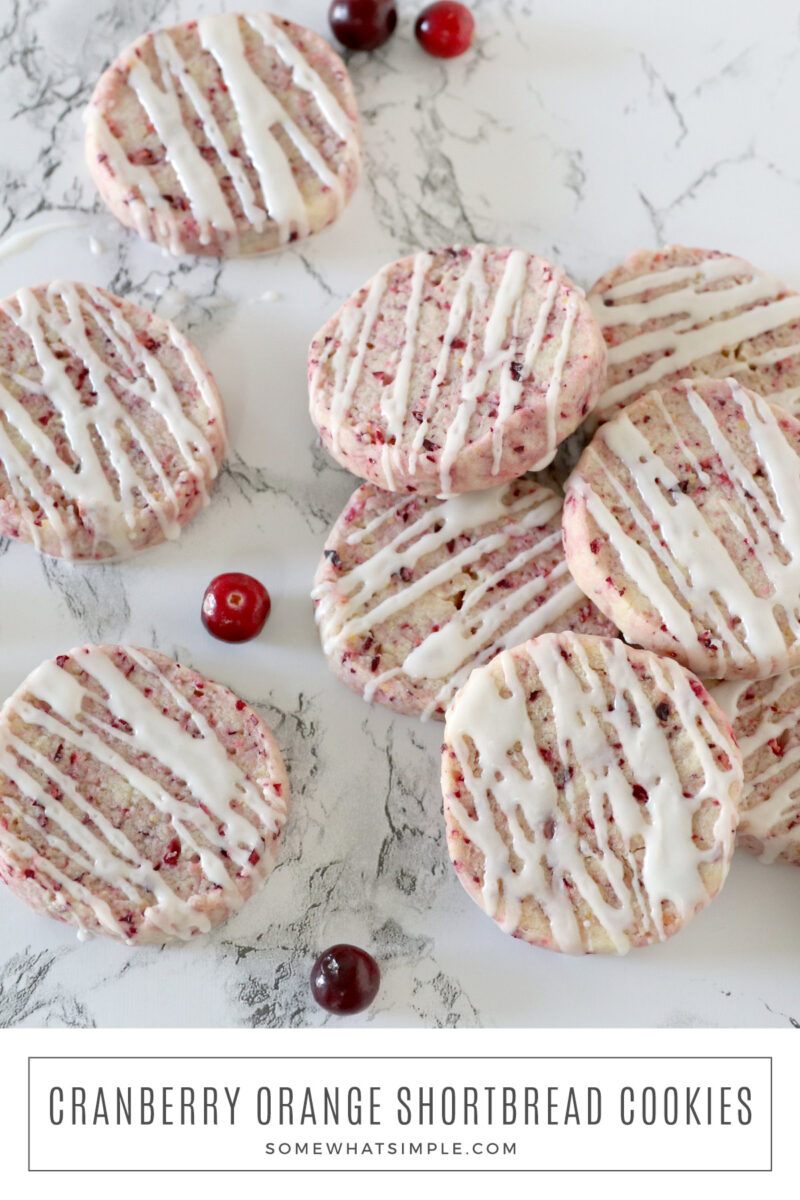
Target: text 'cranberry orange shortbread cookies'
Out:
[682,522]
[683,313]
[137,799]
[111,427]
[589,793]
[455,370]
[765,715]
[412,592]
[231,134]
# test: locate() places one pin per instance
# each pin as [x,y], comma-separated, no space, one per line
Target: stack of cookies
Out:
[593,784]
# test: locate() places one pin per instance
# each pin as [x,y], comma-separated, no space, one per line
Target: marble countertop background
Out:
[580,131]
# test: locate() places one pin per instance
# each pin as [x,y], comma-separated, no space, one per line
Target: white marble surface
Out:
[580,131]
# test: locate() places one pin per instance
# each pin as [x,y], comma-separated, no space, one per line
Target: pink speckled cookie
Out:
[682,313]
[137,799]
[231,134]
[682,522]
[766,722]
[590,793]
[412,592]
[111,427]
[455,370]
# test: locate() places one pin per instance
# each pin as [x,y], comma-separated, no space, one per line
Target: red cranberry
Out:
[172,853]
[362,24]
[235,607]
[345,980]
[445,29]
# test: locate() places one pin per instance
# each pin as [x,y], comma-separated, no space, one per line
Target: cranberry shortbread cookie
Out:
[590,793]
[111,426]
[682,522]
[682,313]
[766,722]
[412,592]
[230,134]
[455,370]
[137,799]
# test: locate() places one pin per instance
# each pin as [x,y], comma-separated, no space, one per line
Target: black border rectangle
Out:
[399,1170]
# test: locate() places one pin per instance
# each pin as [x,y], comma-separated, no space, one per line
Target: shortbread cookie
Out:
[231,134]
[455,370]
[766,722]
[589,793]
[111,427]
[137,799]
[682,523]
[412,592]
[681,313]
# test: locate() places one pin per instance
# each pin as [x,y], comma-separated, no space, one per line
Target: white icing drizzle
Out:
[657,849]
[207,826]
[483,355]
[394,400]
[22,239]
[257,112]
[673,532]
[112,520]
[778,781]
[703,322]
[356,602]
[356,322]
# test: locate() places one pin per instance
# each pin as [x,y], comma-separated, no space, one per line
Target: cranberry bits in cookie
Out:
[231,134]
[137,799]
[682,313]
[111,427]
[590,793]
[681,521]
[455,370]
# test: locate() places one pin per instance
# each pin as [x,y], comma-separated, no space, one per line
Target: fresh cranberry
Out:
[362,24]
[445,29]
[345,980]
[235,607]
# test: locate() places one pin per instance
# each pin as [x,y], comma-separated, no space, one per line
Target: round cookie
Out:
[111,427]
[455,370]
[589,793]
[412,592]
[681,313]
[682,523]
[137,799]
[765,715]
[231,134]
